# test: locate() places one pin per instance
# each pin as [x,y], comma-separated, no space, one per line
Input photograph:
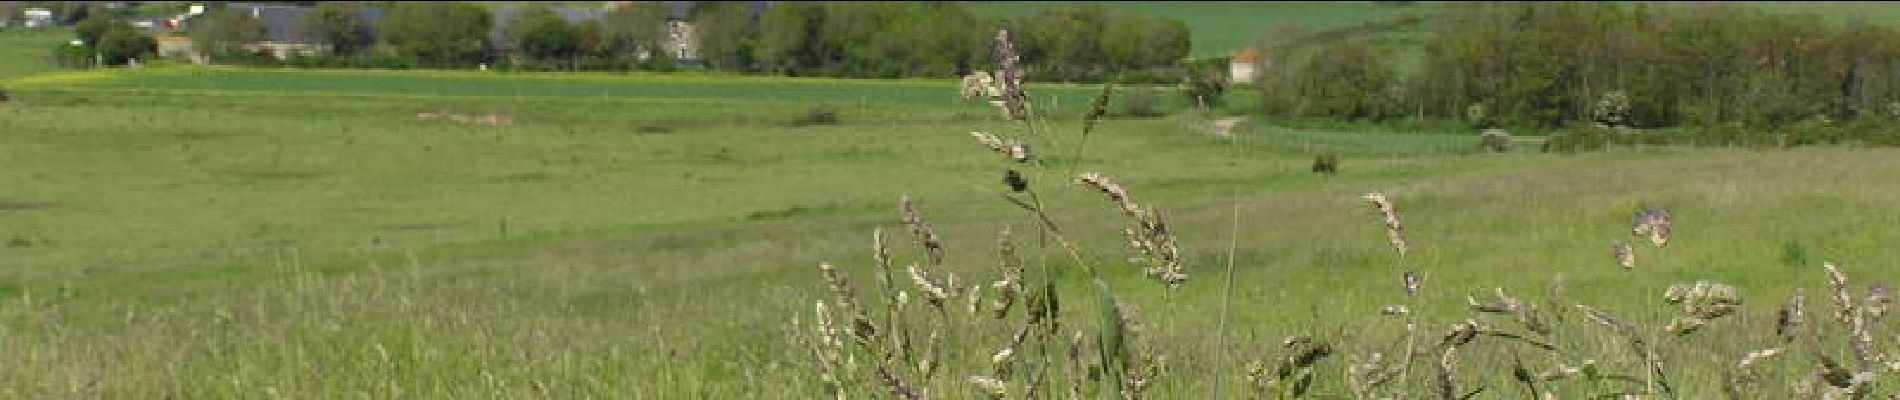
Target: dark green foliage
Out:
[540,34]
[1547,65]
[449,34]
[726,34]
[1205,86]
[339,24]
[1350,80]
[109,40]
[1326,164]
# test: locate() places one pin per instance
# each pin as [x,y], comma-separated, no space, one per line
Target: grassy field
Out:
[27,52]
[225,233]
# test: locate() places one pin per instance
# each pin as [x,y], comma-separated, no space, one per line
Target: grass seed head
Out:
[992,387]
[1015,181]
[1009,76]
[925,236]
[1757,356]
[1625,256]
[1879,300]
[1393,227]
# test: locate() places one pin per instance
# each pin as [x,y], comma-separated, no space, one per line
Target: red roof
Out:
[1248,56]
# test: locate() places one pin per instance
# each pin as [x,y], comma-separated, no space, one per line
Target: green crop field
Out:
[187,232]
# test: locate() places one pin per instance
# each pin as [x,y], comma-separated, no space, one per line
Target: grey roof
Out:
[282,23]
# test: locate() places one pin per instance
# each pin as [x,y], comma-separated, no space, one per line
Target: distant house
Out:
[37,17]
[178,46]
[1244,67]
[283,28]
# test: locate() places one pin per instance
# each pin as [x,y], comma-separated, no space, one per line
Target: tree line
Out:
[819,38]
[1609,64]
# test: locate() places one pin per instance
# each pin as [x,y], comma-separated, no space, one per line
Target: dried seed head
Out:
[861,325]
[1097,109]
[1018,151]
[1009,76]
[990,386]
[1393,227]
[1838,282]
[1115,192]
[1791,316]
[1879,300]
[991,141]
[1395,310]
[1015,180]
[1653,223]
[1559,372]
[1412,282]
[935,293]
[1461,333]
[1607,320]
[1625,256]
[925,236]
[1755,357]
[1685,325]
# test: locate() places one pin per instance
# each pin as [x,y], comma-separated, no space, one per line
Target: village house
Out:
[1245,67]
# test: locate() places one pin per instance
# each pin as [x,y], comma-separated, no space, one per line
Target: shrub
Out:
[1816,130]
[1326,163]
[1205,87]
[1140,102]
[820,115]
[1494,140]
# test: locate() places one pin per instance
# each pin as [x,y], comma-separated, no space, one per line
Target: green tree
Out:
[726,33]
[339,24]
[639,28]
[438,33]
[1350,80]
[542,34]
[790,39]
[118,42]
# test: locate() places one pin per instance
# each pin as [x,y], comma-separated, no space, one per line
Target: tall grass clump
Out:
[915,352]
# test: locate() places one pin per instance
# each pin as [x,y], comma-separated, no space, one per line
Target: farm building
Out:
[178,46]
[1244,67]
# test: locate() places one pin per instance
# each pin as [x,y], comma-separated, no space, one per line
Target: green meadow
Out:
[226,233]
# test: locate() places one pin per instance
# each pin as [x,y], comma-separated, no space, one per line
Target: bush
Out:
[820,115]
[1140,102]
[1494,140]
[1205,88]
[1326,163]
[1811,131]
